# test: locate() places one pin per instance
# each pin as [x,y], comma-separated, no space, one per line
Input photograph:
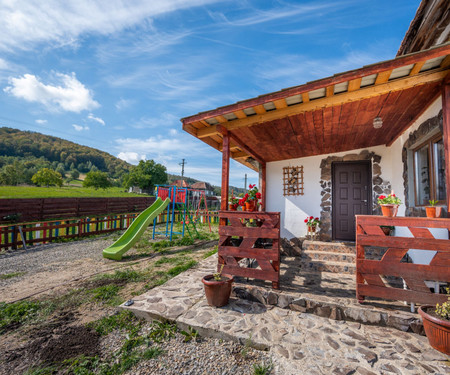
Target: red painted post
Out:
[446,136]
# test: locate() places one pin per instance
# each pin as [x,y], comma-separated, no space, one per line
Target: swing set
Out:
[183,201]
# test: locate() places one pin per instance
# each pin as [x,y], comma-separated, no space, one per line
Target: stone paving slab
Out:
[300,343]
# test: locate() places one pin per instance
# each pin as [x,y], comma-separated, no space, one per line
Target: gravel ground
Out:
[206,356]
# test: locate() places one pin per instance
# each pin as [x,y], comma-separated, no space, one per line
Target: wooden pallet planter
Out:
[369,272]
[238,240]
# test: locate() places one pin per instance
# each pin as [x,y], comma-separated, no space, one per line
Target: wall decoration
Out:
[293,180]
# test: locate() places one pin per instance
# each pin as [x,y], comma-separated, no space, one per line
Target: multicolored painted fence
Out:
[17,236]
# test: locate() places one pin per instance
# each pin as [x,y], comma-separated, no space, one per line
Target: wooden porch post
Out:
[225,170]
[262,184]
[446,135]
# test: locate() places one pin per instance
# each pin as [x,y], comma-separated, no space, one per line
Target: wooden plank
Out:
[373,279]
[446,136]
[416,68]
[251,272]
[404,221]
[383,77]
[420,232]
[263,186]
[305,97]
[269,254]
[240,113]
[394,255]
[401,242]
[280,103]
[329,91]
[446,62]
[225,173]
[401,294]
[415,284]
[418,271]
[354,84]
[259,109]
[249,232]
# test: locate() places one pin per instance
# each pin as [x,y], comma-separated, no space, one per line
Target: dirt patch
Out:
[53,342]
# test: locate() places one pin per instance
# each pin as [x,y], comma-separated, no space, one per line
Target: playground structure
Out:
[183,200]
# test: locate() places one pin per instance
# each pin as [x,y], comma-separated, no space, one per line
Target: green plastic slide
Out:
[135,230]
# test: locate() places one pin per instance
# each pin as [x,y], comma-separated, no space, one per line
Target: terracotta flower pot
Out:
[389,210]
[436,329]
[217,292]
[233,207]
[243,208]
[250,205]
[433,211]
[311,228]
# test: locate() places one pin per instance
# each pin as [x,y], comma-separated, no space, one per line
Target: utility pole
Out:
[245,183]
[182,167]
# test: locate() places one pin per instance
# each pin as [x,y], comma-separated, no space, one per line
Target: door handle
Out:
[365,201]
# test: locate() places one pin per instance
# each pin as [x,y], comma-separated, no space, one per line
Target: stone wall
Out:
[427,127]
[379,186]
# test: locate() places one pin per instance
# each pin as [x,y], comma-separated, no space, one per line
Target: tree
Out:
[97,179]
[146,175]
[12,174]
[74,174]
[47,177]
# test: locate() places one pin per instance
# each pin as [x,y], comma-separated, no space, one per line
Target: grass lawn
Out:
[62,192]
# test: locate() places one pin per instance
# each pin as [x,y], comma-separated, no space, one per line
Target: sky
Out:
[119,75]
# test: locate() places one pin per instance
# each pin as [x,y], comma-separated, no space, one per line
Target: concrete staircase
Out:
[336,257]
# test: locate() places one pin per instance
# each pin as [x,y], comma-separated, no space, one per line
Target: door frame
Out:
[368,163]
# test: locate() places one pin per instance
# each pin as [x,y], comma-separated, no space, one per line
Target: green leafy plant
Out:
[161,331]
[152,353]
[433,203]
[190,334]
[312,221]
[247,346]
[18,313]
[390,199]
[262,368]
[444,310]
[218,275]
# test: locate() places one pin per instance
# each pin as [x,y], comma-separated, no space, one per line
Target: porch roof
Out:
[329,115]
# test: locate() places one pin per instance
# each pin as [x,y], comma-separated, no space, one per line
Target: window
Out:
[429,172]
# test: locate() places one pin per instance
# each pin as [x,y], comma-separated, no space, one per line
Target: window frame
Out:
[430,143]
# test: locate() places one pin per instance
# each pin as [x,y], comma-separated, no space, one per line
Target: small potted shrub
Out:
[389,204]
[432,210]
[233,203]
[311,224]
[217,288]
[436,321]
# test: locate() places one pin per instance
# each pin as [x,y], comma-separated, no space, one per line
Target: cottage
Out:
[330,147]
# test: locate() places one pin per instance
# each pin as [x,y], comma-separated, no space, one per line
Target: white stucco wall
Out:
[294,209]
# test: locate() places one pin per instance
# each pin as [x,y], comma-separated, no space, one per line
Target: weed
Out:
[128,275]
[160,245]
[106,294]
[262,368]
[41,371]
[161,331]
[247,346]
[6,276]
[185,241]
[152,352]
[123,320]
[18,313]
[81,365]
[174,271]
[131,343]
[209,253]
[190,334]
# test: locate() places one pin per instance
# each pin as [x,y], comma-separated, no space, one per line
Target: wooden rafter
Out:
[362,93]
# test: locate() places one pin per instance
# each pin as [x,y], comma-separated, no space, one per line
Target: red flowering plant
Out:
[312,221]
[253,193]
[233,200]
[390,199]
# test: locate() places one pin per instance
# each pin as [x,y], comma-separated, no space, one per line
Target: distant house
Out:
[180,183]
[207,188]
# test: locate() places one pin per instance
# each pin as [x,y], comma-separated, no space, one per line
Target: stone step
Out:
[326,266]
[335,247]
[328,256]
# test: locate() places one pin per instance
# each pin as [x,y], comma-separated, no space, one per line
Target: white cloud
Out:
[41,121]
[66,93]
[173,132]
[28,23]
[80,128]
[131,157]
[124,104]
[96,119]
[163,121]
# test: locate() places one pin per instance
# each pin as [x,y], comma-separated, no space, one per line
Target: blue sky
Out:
[119,75]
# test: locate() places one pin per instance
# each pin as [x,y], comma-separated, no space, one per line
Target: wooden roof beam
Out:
[280,104]
[337,99]
[329,91]
[354,84]
[259,109]
[416,68]
[383,77]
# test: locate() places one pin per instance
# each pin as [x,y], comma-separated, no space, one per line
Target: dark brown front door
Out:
[351,196]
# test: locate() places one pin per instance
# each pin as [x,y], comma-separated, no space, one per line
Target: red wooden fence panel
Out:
[40,209]
[370,274]
[251,235]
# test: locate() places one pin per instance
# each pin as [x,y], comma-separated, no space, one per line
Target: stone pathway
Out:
[300,343]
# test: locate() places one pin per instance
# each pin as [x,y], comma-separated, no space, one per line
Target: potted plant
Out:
[436,321]
[251,198]
[389,204]
[241,203]
[311,224]
[217,288]
[432,210]
[233,203]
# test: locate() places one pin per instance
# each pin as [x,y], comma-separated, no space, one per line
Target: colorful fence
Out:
[14,236]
